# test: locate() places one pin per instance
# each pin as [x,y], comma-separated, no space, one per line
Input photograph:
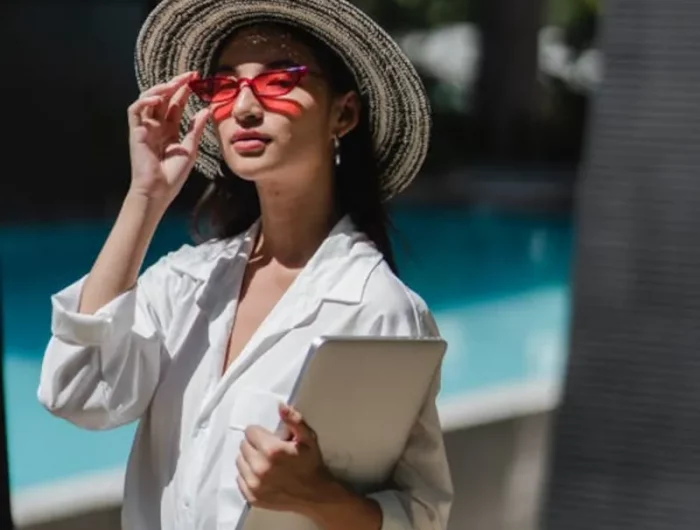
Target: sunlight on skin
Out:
[286,107]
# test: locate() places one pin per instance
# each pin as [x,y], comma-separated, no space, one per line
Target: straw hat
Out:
[183,35]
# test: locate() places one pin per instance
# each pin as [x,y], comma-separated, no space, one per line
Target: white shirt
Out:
[155,354]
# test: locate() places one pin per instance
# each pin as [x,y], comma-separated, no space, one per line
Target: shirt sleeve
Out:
[100,371]
[421,493]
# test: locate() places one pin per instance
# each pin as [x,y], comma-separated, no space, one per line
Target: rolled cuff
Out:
[394,516]
[72,327]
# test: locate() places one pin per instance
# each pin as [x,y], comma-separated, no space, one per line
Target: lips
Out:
[249,142]
[250,136]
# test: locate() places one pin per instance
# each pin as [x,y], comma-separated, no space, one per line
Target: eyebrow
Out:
[273,65]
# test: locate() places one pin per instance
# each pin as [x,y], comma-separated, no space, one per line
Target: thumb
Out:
[294,422]
[197,125]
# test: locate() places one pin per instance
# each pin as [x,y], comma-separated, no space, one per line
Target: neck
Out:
[295,221]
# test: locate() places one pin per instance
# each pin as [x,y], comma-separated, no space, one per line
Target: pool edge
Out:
[499,403]
[104,490]
[69,497]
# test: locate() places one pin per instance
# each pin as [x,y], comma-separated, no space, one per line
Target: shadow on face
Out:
[263,137]
[299,130]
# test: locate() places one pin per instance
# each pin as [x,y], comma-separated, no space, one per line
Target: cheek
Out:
[309,132]
[288,108]
[221,112]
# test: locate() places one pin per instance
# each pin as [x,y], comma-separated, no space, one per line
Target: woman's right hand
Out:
[160,162]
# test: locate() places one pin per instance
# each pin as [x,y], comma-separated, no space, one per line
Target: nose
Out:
[247,108]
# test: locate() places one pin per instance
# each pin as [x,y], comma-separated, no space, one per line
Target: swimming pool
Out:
[498,285]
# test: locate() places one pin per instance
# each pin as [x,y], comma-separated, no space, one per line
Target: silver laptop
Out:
[362,396]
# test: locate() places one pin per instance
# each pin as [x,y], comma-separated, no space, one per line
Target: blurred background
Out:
[486,235]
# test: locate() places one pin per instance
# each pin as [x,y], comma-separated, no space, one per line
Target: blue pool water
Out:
[498,285]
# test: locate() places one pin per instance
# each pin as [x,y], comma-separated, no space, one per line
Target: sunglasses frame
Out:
[240,82]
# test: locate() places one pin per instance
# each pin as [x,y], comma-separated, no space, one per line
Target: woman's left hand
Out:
[283,474]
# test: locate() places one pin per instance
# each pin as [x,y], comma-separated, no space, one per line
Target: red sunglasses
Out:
[273,84]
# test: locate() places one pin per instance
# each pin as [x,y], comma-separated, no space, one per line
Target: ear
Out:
[346,113]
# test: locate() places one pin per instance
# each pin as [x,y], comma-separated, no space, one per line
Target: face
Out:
[278,136]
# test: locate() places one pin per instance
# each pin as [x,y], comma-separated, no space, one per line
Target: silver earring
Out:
[336,149]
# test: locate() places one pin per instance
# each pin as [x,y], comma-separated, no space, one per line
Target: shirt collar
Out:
[338,270]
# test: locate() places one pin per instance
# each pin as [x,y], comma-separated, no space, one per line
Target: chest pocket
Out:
[254,406]
[250,406]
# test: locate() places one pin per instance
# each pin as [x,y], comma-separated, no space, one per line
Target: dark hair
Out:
[230,205]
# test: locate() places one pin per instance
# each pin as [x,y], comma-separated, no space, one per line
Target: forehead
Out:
[264,44]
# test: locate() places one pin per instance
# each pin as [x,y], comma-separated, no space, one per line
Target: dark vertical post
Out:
[5,507]
[508,90]
[626,440]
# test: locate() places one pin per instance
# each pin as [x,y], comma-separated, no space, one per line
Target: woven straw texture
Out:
[183,35]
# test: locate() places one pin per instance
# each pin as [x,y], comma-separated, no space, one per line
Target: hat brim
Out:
[183,35]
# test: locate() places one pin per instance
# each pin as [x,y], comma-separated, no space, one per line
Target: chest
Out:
[252,331]
[194,392]
[261,291]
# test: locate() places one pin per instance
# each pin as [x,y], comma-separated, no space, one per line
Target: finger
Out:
[177,104]
[197,125]
[266,442]
[245,490]
[250,453]
[148,114]
[170,87]
[257,436]
[136,109]
[159,111]
[149,118]
[294,421]
[256,460]
[247,474]
[166,92]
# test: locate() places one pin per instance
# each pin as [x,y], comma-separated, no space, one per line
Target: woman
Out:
[202,347]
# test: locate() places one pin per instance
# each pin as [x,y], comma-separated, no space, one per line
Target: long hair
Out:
[230,205]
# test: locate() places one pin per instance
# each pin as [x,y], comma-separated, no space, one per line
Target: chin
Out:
[253,165]
[251,168]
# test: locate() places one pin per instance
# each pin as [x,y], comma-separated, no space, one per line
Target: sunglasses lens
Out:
[214,89]
[275,84]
